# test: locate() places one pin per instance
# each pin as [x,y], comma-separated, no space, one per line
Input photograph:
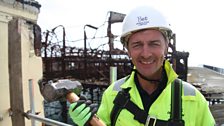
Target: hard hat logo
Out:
[144,17]
[142,21]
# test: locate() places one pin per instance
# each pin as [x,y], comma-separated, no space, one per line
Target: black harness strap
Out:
[176,104]
[122,101]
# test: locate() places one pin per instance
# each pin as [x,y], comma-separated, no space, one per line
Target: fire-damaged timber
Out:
[93,65]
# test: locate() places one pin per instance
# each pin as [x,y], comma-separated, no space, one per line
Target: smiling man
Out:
[147,91]
[151,95]
[147,48]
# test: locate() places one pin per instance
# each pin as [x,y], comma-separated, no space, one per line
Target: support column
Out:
[15,73]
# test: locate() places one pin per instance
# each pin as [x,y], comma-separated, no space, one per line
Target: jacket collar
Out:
[171,75]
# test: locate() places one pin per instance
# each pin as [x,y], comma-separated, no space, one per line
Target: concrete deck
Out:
[207,80]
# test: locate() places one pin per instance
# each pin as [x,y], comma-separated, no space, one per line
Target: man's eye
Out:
[136,45]
[155,44]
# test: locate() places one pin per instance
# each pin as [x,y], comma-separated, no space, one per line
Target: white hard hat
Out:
[144,17]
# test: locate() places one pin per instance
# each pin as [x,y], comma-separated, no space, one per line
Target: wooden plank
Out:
[218,113]
[15,73]
[217,107]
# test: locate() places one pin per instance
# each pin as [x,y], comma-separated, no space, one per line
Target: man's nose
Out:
[146,51]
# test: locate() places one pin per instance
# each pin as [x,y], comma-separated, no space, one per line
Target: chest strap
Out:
[122,101]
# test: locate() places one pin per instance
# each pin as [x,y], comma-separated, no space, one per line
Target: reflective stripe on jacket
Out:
[195,108]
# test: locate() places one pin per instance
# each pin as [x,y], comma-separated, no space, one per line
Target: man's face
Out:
[147,49]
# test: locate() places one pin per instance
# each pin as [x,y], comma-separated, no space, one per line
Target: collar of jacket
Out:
[171,75]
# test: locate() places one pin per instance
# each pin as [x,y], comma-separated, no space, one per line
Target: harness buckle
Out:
[149,119]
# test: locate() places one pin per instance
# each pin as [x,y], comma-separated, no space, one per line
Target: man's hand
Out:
[82,111]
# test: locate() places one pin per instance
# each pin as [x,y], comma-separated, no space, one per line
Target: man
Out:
[144,97]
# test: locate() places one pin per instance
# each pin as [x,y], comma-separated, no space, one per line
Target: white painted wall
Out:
[4,77]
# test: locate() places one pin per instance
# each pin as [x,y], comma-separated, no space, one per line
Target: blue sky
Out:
[198,24]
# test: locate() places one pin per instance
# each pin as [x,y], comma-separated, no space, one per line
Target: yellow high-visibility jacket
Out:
[195,107]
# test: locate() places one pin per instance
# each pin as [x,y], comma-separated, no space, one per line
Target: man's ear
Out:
[128,53]
[166,51]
